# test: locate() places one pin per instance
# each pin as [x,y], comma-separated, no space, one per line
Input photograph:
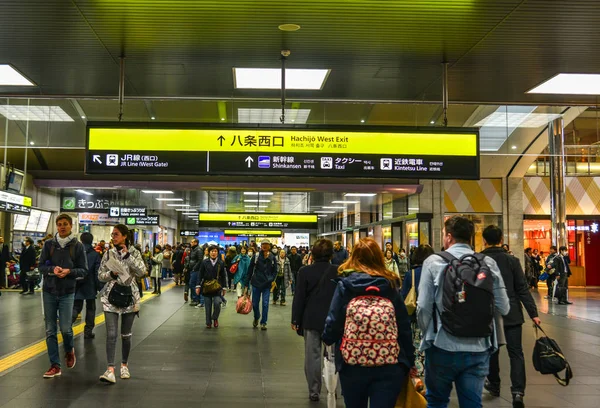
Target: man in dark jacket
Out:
[340,255]
[314,291]
[295,265]
[517,289]
[88,287]
[4,259]
[552,266]
[563,276]
[27,263]
[193,262]
[261,274]
[62,261]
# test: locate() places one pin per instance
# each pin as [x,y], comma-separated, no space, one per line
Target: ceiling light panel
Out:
[270,78]
[178,205]
[517,119]
[11,77]
[345,202]
[169,199]
[157,192]
[35,113]
[570,84]
[257,201]
[272,116]
[255,193]
[360,194]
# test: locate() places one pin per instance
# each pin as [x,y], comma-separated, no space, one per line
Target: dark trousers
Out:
[550,283]
[379,386]
[230,280]
[26,285]
[514,347]
[563,287]
[279,291]
[90,313]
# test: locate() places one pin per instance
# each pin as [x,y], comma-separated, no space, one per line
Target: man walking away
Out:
[261,274]
[443,308]
[563,278]
[340,255]
[295,264]
[517,289]
[27,264]
[193,262]
[88,287]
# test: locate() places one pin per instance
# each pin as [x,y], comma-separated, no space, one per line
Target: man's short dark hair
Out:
[86,238]
[527,250]
[553,248]
[461,229]
[423,252]
[322,250]
[563,248]
[492,235]
[64,217]
[213,247]
[294,247]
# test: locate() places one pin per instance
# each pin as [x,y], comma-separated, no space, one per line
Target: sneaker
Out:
[491,388]
[89,336]
[185,297]
[518,401]
[282,303]
[108,377]
[54,371]
[314,398]
[194,303]
[216,323]
[125,374]
[546,297]
[255,324]
[224,305]
[263,327]
[275,302]
[71,359]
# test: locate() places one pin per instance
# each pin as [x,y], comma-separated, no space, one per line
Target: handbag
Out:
[411,298]
[409,396]
[212,286]
[33,275]
[234,268]
[549,359]
[120,296]
[244,305]
[543,277]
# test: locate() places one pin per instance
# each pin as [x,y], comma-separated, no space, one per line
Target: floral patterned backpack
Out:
[370,331]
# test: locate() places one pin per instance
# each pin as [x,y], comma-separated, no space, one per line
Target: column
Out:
[512,215]
[431,200]
[558,197]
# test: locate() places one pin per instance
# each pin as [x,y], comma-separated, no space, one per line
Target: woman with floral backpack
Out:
[370,326]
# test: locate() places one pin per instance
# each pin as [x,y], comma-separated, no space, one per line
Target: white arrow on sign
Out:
[249,160]
[96,158]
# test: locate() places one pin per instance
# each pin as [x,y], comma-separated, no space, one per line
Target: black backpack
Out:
[468,297]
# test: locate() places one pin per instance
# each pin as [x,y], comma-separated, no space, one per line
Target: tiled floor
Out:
[176,362]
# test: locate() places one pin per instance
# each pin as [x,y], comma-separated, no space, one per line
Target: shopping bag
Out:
[410,397]
[543,277]
[244,305]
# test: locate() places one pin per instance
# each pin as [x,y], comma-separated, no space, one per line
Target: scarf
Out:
[64,241]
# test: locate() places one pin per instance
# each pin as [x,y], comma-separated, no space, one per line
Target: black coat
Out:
[314,291]
[295,262]
[208,272]
[27,259]
[516,285]
[72,257]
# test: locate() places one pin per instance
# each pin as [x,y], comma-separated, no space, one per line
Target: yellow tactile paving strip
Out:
[21,356]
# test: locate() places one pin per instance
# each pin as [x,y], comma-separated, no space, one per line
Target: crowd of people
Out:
[390,315]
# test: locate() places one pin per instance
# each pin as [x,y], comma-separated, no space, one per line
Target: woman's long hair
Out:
[125,232]
[367,257]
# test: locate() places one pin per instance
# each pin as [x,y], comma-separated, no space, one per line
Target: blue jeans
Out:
[61,308]
[256,294]
[164,272]
[378,385]
[193,282]
[466,370]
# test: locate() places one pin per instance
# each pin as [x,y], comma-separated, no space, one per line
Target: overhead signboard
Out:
[188,233]
[363,152]
[127,211]
[263,220]
[15,203]
[253,233]
[97,218]
[148,220]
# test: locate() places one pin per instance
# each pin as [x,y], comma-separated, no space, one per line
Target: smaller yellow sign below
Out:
[271,233]
[232,217]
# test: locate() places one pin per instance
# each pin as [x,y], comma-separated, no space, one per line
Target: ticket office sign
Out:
[370,152]
[241,220]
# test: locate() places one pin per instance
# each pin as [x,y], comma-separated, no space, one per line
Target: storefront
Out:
[583,238]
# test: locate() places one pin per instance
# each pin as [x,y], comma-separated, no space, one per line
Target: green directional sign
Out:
[69,203]
[130,220]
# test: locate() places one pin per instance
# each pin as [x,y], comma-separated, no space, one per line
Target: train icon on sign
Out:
[386,164]
[112,160]
[264,162]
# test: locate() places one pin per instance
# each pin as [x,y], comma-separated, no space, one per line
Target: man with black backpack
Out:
[517,288]
[459,293]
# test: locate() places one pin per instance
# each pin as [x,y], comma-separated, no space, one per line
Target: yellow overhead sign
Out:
[446,143]
[231,217]
[272,233]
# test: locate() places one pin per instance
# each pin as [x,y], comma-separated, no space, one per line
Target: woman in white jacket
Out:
[156,274]
[119,268]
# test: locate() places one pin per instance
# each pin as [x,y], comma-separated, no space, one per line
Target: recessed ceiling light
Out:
[570,84]
[362,121]
[157,192]
[87,193]
[289,27]
[345,202]
[153,118]
[35,113]
[270,78]
[323,212]
[11,77]
[254,193]
[333,208]
[257,201]
[182,209]
[82,117]
[514,147]
[178,205]
[32,143]
[432,122]
[222,118]
[169,199]
[272,116]
[360,194]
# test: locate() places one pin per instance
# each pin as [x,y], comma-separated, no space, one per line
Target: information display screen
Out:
[357,152]
[253,233]
[36,221]
[224,220]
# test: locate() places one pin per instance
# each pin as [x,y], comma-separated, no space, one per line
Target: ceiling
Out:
[376,50]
